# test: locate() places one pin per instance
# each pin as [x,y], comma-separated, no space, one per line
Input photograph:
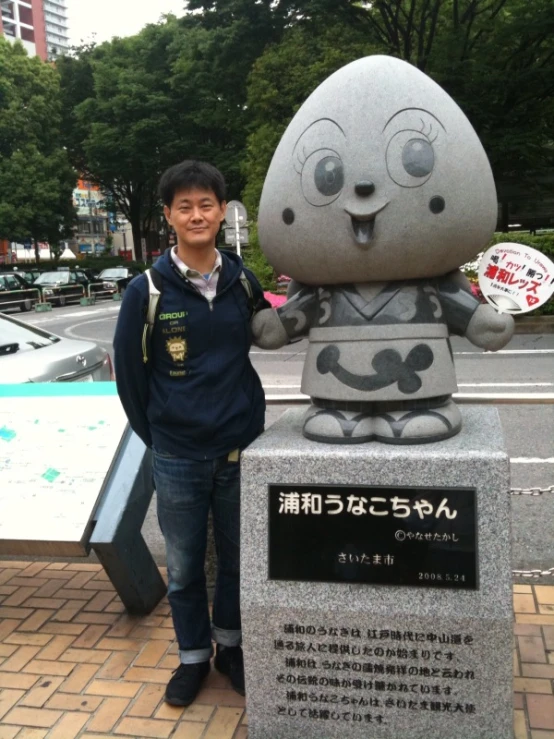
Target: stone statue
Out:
[378,191]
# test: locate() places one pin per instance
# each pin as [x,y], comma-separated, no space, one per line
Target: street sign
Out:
[236,214]
[27,244]
[233,234]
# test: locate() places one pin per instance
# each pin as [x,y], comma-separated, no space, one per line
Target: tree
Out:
[36,179]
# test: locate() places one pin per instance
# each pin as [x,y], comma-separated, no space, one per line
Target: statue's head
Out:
[379,176]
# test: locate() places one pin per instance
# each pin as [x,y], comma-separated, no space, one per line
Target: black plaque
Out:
[381,535]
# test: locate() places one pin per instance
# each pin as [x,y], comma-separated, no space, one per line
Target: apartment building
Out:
[40,25]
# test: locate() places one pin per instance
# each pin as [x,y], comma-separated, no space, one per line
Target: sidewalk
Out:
[73,664]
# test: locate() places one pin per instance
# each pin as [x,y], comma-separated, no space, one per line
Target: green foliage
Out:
[36,179]
[254,258]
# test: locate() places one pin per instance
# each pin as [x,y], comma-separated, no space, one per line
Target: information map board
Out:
[57,444]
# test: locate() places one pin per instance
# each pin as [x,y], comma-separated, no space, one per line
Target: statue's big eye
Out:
[410,158]
[329,176]
[322,177]
[418,157]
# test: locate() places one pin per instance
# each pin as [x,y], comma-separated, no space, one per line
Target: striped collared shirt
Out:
[206,284]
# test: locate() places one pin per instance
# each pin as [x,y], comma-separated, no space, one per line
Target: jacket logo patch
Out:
[177,348]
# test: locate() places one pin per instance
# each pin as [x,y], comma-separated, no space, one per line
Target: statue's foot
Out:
[418,426]
[337,426]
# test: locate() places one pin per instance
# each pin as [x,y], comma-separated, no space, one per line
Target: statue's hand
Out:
[489,329]
[267,330]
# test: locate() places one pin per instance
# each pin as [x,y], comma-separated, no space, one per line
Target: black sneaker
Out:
[187,680]
[229,661]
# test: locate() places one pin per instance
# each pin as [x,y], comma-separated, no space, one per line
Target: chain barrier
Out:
[534,493]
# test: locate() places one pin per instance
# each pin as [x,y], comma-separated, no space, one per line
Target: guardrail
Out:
[32,300]
[94,293]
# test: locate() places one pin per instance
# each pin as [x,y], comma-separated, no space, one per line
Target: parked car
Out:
[29,354]
[60,287]
[122,276]
[15,292]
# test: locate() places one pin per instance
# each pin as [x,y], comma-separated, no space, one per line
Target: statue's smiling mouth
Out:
[363,225]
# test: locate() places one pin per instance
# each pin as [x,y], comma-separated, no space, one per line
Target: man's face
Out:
[196,216]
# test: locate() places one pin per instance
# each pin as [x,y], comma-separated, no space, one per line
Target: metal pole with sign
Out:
[236,232]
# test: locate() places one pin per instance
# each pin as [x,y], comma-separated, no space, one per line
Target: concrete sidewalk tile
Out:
[8,699]
[99,585]
[169,713]
[90,636]
[79,679]
[223,723]
[34,622]
[19,597]
[541,711]
[7,626]
[540,734]
[33,569]
[125,645]
[520,725]
[242,733]
[147,701]
[516,668]
[41,692]
[527,630]
[100,601]
[151,654]
[108,714]
[113,688]
[19,659]
[145,727]
[524,603]
[49,667]
[15,613]
[545,593]
[41,718]
[519,703]
[78,580]
[69,610]
[66,702]
[531,649]
[69,726]
[84,567]
[220,697]
[67,629]
[72,594]
[531,618]
[21,682]
[28,640]
[198,713]
[104,618]
[532,685]
[245,719]
[548,633]
[8,732]
[89,656]
[52,603]
[145,632]
[6,650]
[55,647]
[116,666]
[544,608]
[536,670]
[148,675]
[7,574]
[170,662]
[123,626]
[56,566]
[188,731]
[27,733]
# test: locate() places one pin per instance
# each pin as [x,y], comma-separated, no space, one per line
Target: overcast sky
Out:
[107,18]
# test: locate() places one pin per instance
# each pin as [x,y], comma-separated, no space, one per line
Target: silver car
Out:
[29,354]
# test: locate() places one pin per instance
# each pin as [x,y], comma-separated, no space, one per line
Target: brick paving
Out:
[74,664]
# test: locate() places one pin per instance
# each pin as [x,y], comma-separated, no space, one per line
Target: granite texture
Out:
[475,458]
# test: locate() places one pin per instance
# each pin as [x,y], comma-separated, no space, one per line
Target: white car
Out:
[29,354]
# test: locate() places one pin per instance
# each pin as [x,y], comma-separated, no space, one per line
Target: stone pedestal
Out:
[428,660]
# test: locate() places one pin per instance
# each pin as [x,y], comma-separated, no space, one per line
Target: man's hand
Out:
[268,331]
[489,329]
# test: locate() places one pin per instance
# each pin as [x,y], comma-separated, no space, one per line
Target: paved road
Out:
[525,366]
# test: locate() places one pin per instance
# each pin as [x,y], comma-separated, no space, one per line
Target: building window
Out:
[9,29]
[27,34]
[26,15]
[7,9]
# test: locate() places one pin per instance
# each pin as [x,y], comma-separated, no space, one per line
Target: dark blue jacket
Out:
[198,396]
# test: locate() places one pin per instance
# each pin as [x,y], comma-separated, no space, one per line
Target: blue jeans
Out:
[186,489]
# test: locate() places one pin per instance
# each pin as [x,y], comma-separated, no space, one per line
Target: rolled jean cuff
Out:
[226,637]
[194,656]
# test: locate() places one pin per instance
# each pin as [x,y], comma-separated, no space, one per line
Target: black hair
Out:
[191,175]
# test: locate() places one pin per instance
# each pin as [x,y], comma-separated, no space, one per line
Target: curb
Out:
[534,325]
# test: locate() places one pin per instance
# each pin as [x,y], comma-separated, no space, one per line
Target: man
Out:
[191,393]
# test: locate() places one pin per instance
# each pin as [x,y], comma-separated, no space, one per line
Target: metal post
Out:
[237,230]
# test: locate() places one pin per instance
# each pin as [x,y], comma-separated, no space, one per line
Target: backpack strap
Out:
[245,282]
[155,285]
